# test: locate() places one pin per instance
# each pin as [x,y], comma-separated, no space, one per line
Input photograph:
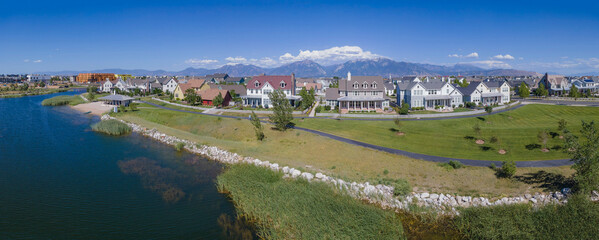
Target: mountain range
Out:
[307,68]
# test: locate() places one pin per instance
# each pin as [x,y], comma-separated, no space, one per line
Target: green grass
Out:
[578,219]
[455,138]
[63,100]
[297,209]
[31,92]
[315,153]
[111,127]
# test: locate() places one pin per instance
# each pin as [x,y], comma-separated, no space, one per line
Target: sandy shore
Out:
[96,108]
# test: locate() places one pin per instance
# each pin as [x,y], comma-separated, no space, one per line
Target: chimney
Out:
[348,76]
[293,81]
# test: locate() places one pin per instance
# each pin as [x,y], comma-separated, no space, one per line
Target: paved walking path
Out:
[469,162]
[313,112]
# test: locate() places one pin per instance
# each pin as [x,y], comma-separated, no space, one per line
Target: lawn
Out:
[314,153]
[514,131]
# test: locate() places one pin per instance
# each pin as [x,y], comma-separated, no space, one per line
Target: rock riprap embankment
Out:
[376,194]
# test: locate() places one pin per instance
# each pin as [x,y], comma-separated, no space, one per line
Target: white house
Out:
[170,85]
[430,95]
[487,92]
[108,86]
[38,77]
[260,86]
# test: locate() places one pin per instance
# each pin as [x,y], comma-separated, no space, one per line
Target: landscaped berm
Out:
[111,127]
[515,132]
[63,100]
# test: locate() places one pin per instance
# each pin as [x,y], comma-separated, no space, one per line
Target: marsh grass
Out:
[62,100]
[111,127]
[578,219]
[297,209]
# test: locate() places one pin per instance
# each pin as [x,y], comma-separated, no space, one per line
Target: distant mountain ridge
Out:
[307,68]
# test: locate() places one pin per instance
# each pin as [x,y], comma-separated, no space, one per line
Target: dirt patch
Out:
[400,133]
[480,141]
[502,151]
[561,137]
[544,150]
[95,108]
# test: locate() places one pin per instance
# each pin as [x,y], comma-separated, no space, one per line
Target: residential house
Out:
[584,85]
[170,85]
[556,85]
[389,88]
[217,77]
[195,84]
[430,95]
[236,90]
[260,86]
[209,95]
[487,93]
[331,96]
[362,93]
[110,85]
[235,80]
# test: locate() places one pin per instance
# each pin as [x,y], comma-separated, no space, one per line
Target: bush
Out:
[400,186]
[111,127]
[327,108]
[179,146]
[455,164]
[493,139]
[508,169]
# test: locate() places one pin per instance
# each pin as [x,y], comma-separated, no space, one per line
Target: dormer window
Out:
[283,84]
[365,85]
[356,85]
[373,86]
[257,84]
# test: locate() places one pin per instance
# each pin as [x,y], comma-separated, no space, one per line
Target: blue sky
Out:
[172,35]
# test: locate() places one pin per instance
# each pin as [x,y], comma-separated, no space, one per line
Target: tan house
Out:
[195,84]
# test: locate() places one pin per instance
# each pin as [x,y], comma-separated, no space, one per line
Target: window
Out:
[373,85]
[355,85]
[256,84]
[283,84]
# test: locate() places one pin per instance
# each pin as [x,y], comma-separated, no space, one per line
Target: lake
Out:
[60,180]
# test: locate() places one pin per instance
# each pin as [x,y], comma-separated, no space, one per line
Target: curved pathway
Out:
[430,158]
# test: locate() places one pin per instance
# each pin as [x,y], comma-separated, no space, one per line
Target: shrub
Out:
[179,146]
[493,139]
[400,186]
[455,164]
[327,108]
[488,109]
[111,127]
[386,172]
[508,169]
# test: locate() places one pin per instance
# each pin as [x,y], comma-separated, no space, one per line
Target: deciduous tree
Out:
[282,110]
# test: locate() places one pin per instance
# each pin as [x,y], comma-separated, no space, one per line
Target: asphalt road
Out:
[430,158]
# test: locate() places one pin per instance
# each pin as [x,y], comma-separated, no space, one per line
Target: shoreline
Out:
[381,195]
[50,91]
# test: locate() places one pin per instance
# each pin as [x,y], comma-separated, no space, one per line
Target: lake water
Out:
[60,180]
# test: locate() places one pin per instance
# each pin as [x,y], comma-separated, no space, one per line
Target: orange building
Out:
[95,77]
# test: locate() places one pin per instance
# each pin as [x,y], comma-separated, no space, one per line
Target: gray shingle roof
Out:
[332,94]
[116,97]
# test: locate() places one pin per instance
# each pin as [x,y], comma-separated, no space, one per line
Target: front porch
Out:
[491,99]
[361,106]
[437,101]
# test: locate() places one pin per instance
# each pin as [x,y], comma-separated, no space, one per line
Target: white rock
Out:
[295,173]
[434,196]
[307,176]
[424,195]
[285,169]
[320,175]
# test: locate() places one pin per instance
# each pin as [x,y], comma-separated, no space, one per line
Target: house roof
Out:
[494,84]
[234,79]
[468,90]
[210,94]
[239,89]
[309,86]
[347,85]
[433,85]
[273,80]
[217,75]
[389,85]
[195,83]
[331,94]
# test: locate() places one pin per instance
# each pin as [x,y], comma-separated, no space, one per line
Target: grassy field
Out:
[296,209]
[578,219]
[315,153]
[31,92]
[63,100]
[514,131]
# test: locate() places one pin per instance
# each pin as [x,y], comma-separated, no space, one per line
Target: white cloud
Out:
[503,57]
[489,64]
[329,56]
[37,61]
[200,62]
[236,59]
[520,58]
[471,55]
[262,62]
[579,63]
[26,60]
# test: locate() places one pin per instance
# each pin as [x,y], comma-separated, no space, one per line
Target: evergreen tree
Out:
[282,110]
